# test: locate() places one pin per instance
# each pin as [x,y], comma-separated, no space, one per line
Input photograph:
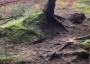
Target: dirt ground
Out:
[52,50]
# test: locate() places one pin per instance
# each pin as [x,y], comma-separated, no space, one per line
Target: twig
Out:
[65,45]
[82,37]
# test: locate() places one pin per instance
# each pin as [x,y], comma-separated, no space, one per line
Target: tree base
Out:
[55,22]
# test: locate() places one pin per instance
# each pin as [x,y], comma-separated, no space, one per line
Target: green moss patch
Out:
[11,57]
[87,43]
[24,29]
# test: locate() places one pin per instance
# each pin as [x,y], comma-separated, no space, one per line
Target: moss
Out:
[24,29]
[71,40]
[17,23]
[11,57]
[86,43]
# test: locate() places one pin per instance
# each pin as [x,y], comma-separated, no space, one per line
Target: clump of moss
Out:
[87,43]
[5,58]
[71,40]
[23,35]
[24,29]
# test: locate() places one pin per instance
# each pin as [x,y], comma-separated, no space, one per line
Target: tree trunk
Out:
[49,14]
[49,11]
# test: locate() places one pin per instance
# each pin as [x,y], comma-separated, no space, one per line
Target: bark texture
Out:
[49,14]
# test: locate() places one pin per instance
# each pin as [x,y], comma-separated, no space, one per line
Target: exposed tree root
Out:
[59,24]
[58,17]
[83,37]
[50,16]
[65,45]
[53,56]
[39,41]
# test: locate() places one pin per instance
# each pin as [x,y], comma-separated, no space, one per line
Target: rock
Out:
[77,18]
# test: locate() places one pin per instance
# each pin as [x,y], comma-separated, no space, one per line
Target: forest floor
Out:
[55,48]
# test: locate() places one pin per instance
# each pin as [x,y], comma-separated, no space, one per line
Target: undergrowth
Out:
[82,8]
[24,29]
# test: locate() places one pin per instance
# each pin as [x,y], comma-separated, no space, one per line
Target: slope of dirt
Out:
[56,49]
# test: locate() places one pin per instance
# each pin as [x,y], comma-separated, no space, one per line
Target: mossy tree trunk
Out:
[49,14]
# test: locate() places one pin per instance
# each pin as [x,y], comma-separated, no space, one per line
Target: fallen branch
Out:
[82,37]
[65,45]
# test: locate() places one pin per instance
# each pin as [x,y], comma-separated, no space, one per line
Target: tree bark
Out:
[49,11]
[49,14]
